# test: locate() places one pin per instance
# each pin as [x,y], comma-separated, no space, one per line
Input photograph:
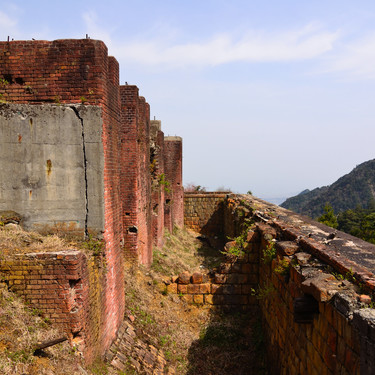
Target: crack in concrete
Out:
[85,170]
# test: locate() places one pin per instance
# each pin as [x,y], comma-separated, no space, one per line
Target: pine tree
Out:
[328,218]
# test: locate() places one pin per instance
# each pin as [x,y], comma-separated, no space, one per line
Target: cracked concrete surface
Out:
[52,165]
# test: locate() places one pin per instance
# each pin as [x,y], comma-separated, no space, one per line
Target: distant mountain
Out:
[354,189]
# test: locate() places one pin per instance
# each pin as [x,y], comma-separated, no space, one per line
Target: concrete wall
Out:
[52,165]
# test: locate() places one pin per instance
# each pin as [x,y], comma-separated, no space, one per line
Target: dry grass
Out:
[15,240]
[195,339]
[165,320]
[183,251]
[21,329]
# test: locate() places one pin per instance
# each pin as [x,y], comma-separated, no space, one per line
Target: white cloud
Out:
[7,22]
[94,30]
[355,59]
[306,43]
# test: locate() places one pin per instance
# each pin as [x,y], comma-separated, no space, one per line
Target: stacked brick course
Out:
[67,288]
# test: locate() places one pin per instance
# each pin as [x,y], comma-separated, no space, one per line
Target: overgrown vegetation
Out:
[269,253]
[194,340]
[184,252]
[162,181]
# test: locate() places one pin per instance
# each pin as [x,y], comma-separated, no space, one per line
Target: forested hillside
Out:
[355,189]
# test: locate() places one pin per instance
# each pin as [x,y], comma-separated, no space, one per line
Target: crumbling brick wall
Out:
[144,184]
[71,72]
[68,287]
[135,175]
[314,320]
[76,75]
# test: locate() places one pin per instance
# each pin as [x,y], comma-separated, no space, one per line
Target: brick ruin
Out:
[312,285]
[79,153]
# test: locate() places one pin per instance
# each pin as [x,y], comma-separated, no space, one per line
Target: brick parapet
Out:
[66,71]
[333,332]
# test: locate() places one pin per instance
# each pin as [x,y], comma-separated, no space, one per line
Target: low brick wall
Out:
[228,286]
[68,287]
[314,322]
[204,212]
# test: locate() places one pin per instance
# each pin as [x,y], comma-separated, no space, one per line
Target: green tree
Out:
[328,218]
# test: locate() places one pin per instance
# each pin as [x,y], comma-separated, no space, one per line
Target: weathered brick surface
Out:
[130,351]
[203,212]
[157,189]
[174,200]
[69,288]
[80,71]
[330,341]
[229,286]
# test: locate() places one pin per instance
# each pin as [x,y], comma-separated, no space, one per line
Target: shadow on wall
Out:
[214,227]
[232,341]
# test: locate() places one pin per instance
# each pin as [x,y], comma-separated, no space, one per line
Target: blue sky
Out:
[269,96]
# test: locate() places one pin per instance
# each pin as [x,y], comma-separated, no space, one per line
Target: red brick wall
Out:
[78,71]
[57,71]
[135,175]
[204,212]
[144,184]
[58,285]
[157,189]
[81,72]
[174,207]
[129,167]
[113,234]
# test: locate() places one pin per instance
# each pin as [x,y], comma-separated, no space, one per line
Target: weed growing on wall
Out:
[264,291]
[269,253]
[164,182]
[283,267]
[95,246]
[238,249]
